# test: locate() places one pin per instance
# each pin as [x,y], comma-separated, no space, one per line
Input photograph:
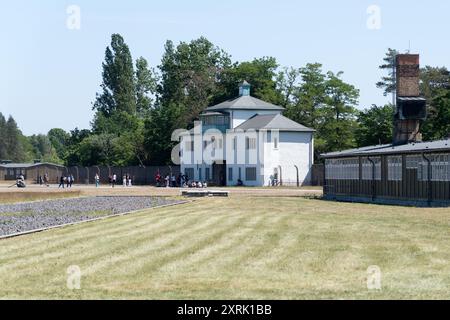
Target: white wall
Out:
[294,149]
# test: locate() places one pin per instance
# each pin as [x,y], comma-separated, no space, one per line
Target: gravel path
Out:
[21,217]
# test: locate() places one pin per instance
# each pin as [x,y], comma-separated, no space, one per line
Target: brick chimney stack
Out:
[411,108]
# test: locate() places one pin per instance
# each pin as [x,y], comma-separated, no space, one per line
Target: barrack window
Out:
[395,168]
[342,169]
[367,169]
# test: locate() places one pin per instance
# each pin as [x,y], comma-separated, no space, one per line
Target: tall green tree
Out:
[59,140]
[304,101]
[43,149]
[189,77]
[438,126]
[375,126]
[117,99]
[158,130]
[336,131]
[261,73]
[12,141]
[3,152]
[435,87]
[145,88]
[388,83]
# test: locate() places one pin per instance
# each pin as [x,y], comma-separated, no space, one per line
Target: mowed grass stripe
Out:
[73,234]
[144,245]
[177,247]
[102,262]
[34,240]
[215,252]
[247,248]
[251,240]
[98,238]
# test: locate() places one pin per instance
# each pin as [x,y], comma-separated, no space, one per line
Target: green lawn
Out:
[238,248]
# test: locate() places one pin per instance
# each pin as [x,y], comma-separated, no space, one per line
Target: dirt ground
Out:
[32,192]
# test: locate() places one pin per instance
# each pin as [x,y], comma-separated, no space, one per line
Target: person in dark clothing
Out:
[61,182]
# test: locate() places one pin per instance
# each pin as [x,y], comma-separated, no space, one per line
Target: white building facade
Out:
[247,141]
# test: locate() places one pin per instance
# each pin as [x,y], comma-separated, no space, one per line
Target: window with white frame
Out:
[251,143]
[367,173]
[395,168]
[413,162]
[342,169]
[417,162]
[440,167]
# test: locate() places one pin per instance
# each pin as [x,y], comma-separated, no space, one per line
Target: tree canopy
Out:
[138,107]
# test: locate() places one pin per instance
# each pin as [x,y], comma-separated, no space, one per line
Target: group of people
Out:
[126,180]
[66,181]
[169,181]
[182,181]
[44,180]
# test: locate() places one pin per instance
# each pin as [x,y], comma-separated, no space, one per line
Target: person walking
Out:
[167,181]
[46,182]
[124,181]
[72,180]
[114,180]
[174,181]
[158,179]
[97,180]
[61,182]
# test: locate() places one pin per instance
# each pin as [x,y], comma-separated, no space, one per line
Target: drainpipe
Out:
[298,177]
[374,190]
[281,176]
[429,183]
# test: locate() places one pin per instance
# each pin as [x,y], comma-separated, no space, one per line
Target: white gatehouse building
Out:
[247,141]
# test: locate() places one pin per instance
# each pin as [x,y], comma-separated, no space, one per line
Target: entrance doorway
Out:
[219,177]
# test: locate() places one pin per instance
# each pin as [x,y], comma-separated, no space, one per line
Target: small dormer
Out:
[244,89]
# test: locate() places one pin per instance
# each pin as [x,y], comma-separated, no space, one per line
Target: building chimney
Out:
[411,108]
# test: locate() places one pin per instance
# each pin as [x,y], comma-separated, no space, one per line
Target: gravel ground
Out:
[21,217]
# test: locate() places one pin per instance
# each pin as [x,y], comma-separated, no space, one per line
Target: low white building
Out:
[247,141]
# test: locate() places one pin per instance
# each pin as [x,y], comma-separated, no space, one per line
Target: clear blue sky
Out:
[50,74]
